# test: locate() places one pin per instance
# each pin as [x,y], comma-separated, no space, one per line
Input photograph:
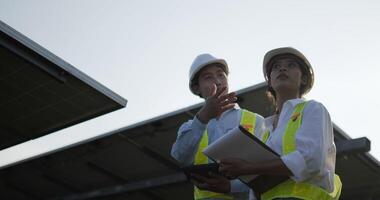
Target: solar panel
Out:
[41,93]
[134,163]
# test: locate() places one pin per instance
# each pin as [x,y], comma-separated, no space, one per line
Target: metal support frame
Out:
[151,153]
[367,190]
[359,145]
[23,191]
[61,183]
[129,187]
[118,178]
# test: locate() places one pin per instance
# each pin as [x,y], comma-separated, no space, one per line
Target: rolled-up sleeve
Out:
[311,143]
[186,145]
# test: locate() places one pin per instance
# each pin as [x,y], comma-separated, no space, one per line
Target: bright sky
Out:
[142,50]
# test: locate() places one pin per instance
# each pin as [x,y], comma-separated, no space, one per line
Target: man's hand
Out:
[214,183]
[216,104]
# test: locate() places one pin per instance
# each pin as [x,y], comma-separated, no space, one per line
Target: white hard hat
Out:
[201,61]
[289,51]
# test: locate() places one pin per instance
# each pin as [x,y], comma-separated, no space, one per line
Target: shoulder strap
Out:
[200,158]
[289,138]
[248,120]
[265,136]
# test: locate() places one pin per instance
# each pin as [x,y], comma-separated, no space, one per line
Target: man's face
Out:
[286,74]
[211,78]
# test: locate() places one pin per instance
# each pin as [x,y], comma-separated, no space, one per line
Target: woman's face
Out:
[286,75]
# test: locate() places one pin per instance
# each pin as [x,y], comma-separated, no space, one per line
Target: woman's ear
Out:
[269,83]
[303,80]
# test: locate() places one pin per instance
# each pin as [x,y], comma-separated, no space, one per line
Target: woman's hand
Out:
[214,182]
[233,167]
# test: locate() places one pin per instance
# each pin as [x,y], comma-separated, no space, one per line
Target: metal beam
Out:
[359,145]
[365,190]
[129,187]
[60,183]
[151,153]
[353,146]
[107,172]
[23,191]
[119,178]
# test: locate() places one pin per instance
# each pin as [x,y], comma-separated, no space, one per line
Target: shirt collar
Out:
[294,102]
[268,122]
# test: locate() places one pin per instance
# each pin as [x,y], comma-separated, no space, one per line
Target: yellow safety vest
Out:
[248,121]
[290,188]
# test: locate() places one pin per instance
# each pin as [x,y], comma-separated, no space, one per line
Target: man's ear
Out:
[196,89]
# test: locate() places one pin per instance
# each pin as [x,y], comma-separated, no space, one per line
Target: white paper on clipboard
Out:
[239,143]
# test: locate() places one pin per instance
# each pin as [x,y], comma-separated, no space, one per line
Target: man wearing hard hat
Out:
[219,114]
[300,131]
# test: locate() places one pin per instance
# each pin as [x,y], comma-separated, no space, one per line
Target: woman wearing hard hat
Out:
[300,131]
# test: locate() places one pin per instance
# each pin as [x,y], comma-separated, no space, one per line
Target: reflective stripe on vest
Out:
[248,121]
[290,188]
[265,137]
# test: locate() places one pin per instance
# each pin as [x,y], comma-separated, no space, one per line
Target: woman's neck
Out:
[282,98]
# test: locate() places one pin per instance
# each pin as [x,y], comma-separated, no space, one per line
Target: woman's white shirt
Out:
[313,161]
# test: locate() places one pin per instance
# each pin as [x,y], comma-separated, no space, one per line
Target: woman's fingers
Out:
[228,166]
[227,172]
[202,186]
[198,178]
[223,168]
[204,179]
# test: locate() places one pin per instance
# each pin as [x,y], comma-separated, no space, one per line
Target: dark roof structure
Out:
[134,163]
[41,93]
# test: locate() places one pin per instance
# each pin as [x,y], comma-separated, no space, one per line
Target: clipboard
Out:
[239,143]
[257,140]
